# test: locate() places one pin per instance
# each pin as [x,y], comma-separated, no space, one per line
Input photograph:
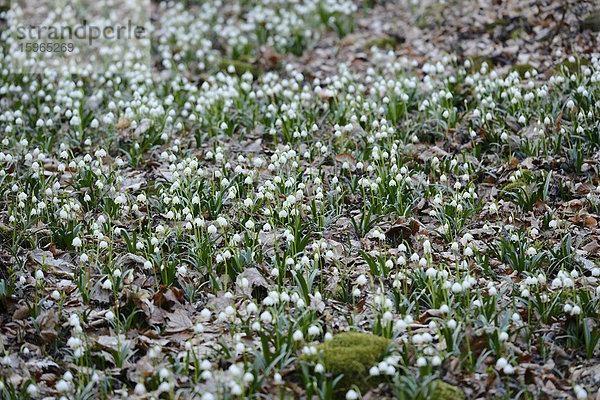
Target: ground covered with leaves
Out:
[309,199]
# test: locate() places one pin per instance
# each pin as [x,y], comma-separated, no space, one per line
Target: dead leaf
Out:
[167,297]
[21,313]
[592,247]
[62,266]
[346,158]
[113,343]
[402,230]
[47,321]
[590,222]
[123,123]
[142,128]
[269,59]
[255,280]
[178,321]
[127,261]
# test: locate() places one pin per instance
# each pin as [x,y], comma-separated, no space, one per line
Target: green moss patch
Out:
[591,22]
[5,233]
[350,354]
[575,66]
[499,22]
[522,69]
[386,42]
[527,177]
[241,67]
[445,391]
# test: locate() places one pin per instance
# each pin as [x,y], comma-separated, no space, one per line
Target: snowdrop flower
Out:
[580,392]
[508,369]
[266,317]
[457,287]
[501,363]
[32,389]
[351,395]
[205,313]
[62,386]
[361,280]
[298,336]
[140,389]
[451,324]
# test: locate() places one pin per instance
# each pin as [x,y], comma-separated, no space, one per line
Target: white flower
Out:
[457,287]
[351,395]
[76,242]
[451,324]
[361,280]
[501,363]
[62,386]
[298,336]
[140,389]
[32,389]
[248,377]
[580,392]
[266,317]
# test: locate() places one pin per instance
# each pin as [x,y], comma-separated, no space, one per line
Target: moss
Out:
[478,60]
[5,233]
[525,179]
[516,33]
[499,22]
[386,42]
[241,67]
[591,22]
[575,66]
[445,391]
[350,354]
[521,69]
